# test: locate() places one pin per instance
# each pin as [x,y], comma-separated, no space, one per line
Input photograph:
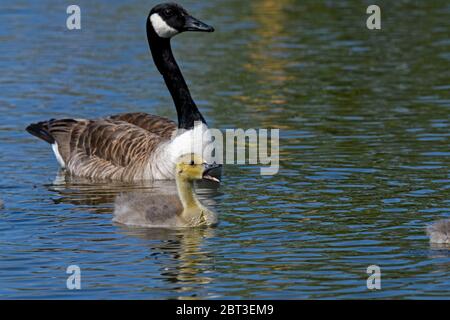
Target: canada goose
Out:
[439,232]
[170,211]
[135,146]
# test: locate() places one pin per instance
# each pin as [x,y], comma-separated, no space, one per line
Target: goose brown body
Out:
[119,147]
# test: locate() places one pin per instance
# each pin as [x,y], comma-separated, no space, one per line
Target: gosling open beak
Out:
[208,170]
[192,24]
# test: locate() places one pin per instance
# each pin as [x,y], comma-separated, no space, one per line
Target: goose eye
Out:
[168,12]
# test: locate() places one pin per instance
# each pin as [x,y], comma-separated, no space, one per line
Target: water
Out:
[364,119]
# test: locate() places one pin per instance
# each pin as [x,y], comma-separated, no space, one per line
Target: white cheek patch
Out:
[161,28]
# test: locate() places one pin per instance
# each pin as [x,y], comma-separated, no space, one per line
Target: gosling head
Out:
[170,19]
[192,167]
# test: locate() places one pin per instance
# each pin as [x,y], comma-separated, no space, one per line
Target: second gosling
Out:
[439,232]
[170,211]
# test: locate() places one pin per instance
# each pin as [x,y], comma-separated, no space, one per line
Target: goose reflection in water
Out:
[100,196]
[186,247]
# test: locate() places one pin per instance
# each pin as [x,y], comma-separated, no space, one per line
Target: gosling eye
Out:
[192,162]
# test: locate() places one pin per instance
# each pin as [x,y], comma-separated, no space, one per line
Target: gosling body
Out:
[169,211]
[439,232]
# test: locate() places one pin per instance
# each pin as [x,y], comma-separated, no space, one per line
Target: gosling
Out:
[170,211]
[439,232]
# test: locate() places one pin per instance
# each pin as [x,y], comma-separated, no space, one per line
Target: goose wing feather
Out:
[161,126]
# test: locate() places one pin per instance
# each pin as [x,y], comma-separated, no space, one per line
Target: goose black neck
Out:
[187,110]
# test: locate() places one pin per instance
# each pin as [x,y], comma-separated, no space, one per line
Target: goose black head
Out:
[170,19]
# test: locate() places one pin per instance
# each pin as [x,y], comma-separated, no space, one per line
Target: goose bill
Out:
[193,24]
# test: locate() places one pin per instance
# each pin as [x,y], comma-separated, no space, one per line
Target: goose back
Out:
[160,126]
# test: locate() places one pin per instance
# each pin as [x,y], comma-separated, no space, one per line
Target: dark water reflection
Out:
[364,125]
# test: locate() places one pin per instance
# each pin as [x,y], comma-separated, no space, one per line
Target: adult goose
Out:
[135,146]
